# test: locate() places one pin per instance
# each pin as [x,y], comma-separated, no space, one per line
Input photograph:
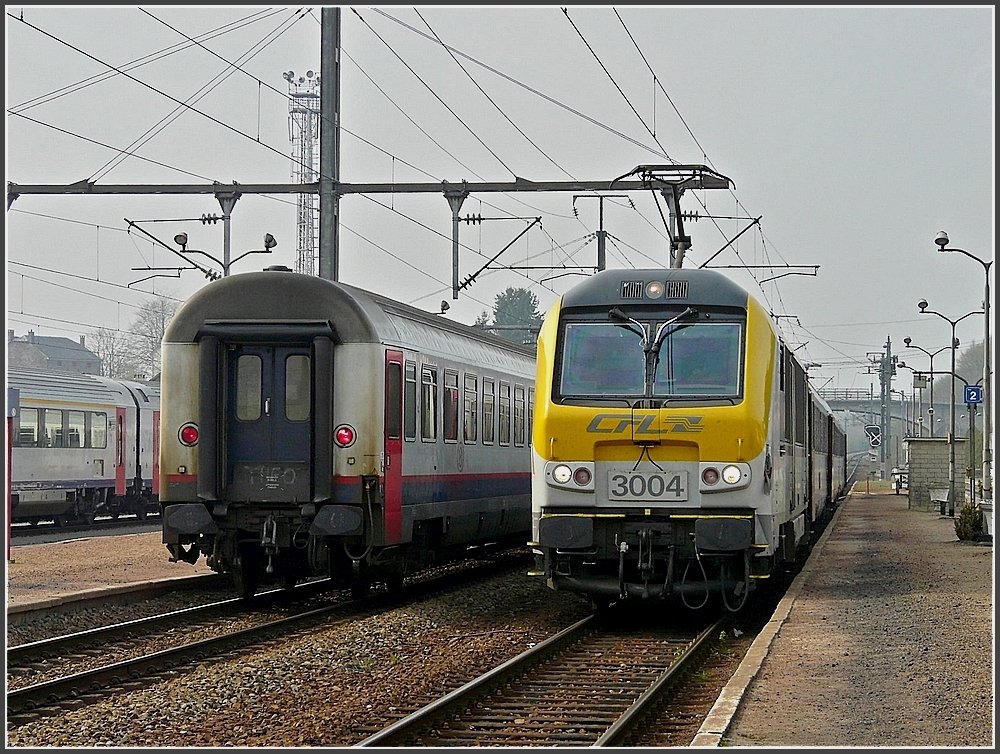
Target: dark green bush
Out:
[969,523]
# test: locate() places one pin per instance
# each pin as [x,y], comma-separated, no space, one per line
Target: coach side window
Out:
[98,430]
[52,428]
[428,402]
[471,415]
[519,416]
[27,430]
[488,421]
[505,413]
[410,402]
[75,430]
[450,406]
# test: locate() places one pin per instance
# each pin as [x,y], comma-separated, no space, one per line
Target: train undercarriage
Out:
[624,556]
[285,546]
[80,507]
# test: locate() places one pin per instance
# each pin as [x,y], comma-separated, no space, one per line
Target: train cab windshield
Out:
[690,361]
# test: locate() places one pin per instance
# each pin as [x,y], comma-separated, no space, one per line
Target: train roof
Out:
[46,384]
[682,286]
[279,298]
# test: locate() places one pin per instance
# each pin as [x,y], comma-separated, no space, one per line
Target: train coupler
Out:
[269,541]
[189,555]
[622,550]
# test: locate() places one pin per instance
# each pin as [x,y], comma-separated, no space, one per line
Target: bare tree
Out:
[147,329]
[116,350]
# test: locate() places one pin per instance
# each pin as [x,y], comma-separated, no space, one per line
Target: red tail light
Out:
[189,434]
[344,435]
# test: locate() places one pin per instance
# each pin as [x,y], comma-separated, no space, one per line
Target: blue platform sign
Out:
[973,393]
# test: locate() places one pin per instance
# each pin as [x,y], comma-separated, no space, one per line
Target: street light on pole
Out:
[930,410]
[922,305]
[972,409]
[181,239]
[942,241]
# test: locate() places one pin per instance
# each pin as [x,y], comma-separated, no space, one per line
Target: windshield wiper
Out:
[650,345]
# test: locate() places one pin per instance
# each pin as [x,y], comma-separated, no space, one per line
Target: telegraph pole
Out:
[885,364]
[602,235]
[329,145]
[887,372]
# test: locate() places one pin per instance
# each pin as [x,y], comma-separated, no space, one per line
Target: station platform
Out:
[885,638]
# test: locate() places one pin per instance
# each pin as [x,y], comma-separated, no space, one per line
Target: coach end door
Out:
[269,424]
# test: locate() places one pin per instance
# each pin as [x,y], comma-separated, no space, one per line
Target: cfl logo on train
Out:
[641,425]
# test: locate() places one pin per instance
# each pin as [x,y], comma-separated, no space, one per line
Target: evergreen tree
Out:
[516,315]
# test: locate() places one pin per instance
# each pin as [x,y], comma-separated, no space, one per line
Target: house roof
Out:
[63,349]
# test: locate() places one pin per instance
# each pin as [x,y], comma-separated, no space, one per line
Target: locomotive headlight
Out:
[344,435]
[575,476]
[562,473]
[188,434]
[654,289]
[723,478]
[732,474]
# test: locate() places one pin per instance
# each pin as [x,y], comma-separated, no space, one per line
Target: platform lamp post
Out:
[922,305]
[904,419]
[942,241]
[970,409]
[908,342]
[916,400]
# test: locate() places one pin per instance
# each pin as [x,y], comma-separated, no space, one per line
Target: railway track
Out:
[626,679]
[589,685]
[39,660]
[24,531]
[68,690]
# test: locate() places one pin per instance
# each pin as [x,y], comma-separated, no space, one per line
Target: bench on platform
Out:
[939,495]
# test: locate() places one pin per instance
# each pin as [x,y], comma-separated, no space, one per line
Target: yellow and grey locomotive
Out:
[678,448]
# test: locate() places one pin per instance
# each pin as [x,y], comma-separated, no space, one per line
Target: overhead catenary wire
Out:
[220,77]
[194,109]
[708,160]
[139,62]
[154,89]
[767,249]
[511,79]
[437,97]
[492,101]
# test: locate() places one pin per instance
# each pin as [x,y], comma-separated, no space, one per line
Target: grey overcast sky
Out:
[856,133]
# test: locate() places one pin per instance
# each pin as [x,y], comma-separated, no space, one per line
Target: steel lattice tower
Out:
[303,128]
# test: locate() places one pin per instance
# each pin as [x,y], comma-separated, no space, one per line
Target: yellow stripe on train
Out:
[736,432]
